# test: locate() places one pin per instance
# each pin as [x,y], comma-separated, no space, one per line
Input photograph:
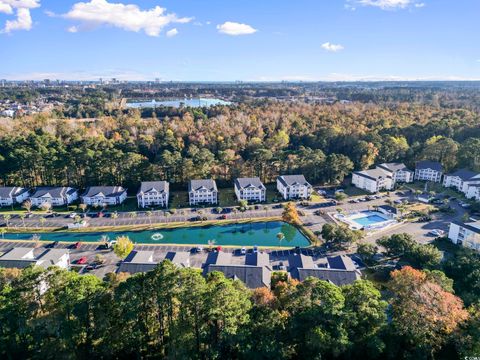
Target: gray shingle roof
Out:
[219,258]
[255,273]
[468,226]
[341,262]
[159,186]
[342,271]
[300,261]
[135,268]
[337,277]
[257,259]
[394,166]
[242,183]
[252,276]
[107,191]
[17,253]
[18,258]
[51,257]
[464,174]
[208,184]
[138,261]
[181,258]
[53,191]
[373,174]
[289,180]
[11,191]
[425,164]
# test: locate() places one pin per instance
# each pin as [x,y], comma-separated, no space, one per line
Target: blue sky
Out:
[251,40]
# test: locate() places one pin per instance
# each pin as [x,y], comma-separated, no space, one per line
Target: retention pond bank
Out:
[268,234]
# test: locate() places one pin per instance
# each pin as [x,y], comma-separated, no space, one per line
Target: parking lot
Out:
[144,218]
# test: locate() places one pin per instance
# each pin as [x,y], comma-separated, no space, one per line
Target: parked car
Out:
[223,217]
[82,260]
[72,215]
[255,249]
[437,232]
[243,251]
[50,215]
[53,244]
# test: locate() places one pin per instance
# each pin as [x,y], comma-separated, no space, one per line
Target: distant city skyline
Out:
[249,40]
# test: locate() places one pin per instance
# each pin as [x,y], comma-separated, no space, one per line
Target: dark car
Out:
[50,215]
[53,244]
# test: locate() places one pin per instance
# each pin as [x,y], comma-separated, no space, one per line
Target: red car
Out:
[224,217]
[82,260]
[77,245]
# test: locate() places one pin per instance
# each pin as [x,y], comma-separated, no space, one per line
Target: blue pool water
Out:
[200,102]
[369,220]
[246,234]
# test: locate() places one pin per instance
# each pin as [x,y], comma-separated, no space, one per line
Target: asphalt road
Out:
[141,218]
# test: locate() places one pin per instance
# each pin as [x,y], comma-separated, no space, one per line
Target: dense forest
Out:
[325,142]
[177,313]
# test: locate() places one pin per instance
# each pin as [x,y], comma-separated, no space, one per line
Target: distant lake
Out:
[199,102]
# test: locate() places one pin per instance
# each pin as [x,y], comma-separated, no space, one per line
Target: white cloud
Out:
[387,4]
[172,33]
[235,29]
[332,47]
[127,17]
[72,29]
[22,11]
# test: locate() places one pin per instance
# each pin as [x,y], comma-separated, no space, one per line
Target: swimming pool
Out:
[369,220]
[366,220]
[245,234]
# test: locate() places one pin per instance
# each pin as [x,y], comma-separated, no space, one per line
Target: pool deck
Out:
[349,219]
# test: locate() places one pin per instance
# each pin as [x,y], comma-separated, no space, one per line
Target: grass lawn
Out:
[421,207]
[316,198]
[436,187]
[354,191]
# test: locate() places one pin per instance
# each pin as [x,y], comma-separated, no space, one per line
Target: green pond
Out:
[250,234]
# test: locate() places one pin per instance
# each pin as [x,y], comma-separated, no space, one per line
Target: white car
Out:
[437,232]
[243,251]
[72,215]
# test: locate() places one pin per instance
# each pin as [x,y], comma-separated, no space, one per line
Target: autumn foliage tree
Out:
[423,313]
[123,246]
[290,214]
